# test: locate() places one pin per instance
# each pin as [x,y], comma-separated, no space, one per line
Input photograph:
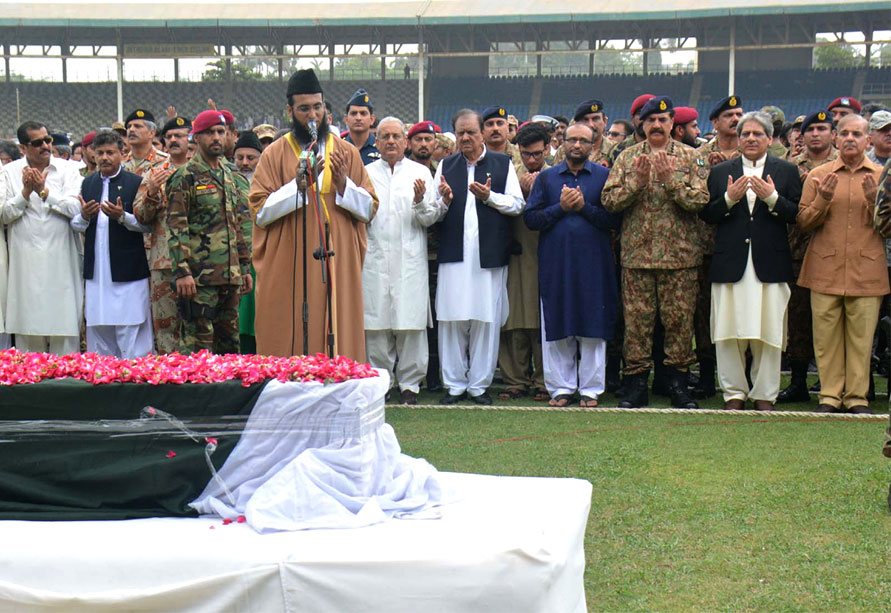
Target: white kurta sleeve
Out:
[426,211]
[511,202]
[356,200]
[279,203]
[130,222]
[12,205]
[441,208]
[64,201]
[79,224]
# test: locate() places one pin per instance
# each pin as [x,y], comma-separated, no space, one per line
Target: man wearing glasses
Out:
[38,199]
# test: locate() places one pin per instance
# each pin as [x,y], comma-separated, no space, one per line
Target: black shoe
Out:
[483,399]
[635,395]
[409,397]
[677,391]
[795,392]
[449,399]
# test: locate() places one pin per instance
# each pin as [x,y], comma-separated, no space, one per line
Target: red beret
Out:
[344,133]
[206,120]
[846,102]
[424,126]
[229,117]
[684,114]
[88,138]
[639,102]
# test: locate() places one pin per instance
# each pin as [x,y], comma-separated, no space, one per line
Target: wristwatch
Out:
[43,193]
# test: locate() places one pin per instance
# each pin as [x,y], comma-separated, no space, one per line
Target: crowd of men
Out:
[576,255]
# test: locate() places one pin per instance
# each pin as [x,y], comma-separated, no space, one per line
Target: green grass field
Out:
[696,511]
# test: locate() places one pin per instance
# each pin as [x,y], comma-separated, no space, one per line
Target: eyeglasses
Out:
[46,140]
[306,108]
[580,141]
[532,154]
[615,134]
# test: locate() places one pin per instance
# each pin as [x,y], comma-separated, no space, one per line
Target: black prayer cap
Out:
[816,117]
[176,123]
[139,114]
[248,140]
[304,82]
[360,98]
[494,111]
[587,107]
[659,104]
[725,104]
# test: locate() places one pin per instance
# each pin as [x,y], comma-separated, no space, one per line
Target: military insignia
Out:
[140,114]
[845,101]
[700,162]
[180,121]
[732,101]
[702,172]
[662,105]
[821,116]
[502,112]
[594,108]
[364,98]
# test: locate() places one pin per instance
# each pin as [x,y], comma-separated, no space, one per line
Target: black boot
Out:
[705,387]
[635,391]
[613,374]
[797,390]
[677,390]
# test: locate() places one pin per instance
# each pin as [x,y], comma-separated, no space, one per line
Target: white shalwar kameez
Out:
[45,290]
[574,363]
[394,275]
[471,301]
[4,273]
[118,314]
[750,315]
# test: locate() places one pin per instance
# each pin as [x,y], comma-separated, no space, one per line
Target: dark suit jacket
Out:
[127,250]
[764,229]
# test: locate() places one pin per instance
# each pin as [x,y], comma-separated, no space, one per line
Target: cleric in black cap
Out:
[359,118]
[347,197]
[247,153]
[175,134]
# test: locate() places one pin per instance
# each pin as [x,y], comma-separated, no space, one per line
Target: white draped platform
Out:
[507,544]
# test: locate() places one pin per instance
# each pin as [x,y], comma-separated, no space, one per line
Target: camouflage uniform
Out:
[800,340]
[140,167]
[207,242]
[247,340]
[660,252]
[152,211]
[514,152]
[599,155]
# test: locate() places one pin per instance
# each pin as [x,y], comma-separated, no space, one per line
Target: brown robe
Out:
[278,260]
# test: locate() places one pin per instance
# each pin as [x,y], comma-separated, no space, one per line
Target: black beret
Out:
[724,104]
[816,117]
[360,98]
[139,114]
[176,123]
[587,107]
[304,82]
[248,140]
[494,111]
[659,104]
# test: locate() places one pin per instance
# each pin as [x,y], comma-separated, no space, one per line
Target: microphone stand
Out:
[304,165]
[324,253]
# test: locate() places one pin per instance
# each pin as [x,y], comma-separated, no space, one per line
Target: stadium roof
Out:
[231,13]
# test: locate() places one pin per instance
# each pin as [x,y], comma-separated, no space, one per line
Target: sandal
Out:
[561,401]
[541,396]
[588,402]
[511,394]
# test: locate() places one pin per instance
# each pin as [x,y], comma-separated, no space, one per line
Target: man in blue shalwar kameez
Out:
[577,279]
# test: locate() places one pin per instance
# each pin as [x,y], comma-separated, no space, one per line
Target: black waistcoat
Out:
[495,229]
[126,248]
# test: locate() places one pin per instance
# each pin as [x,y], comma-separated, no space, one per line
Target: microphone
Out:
[313,127]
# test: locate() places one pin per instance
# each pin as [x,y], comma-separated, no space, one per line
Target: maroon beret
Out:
[206,120]
[88,138]
[684,114]
[846,102]
[424,127]
[639,102]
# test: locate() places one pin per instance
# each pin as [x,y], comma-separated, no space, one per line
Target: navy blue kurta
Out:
[576,269]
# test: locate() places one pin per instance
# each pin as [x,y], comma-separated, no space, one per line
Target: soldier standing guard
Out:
[661,185]
[207,247]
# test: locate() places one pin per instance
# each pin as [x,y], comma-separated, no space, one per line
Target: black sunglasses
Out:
[46,140]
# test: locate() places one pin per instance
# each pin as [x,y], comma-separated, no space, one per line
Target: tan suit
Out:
[845,269]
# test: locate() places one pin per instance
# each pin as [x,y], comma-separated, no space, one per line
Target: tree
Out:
[216,71]
[839,55]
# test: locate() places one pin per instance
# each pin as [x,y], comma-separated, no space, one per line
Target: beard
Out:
[688,139]
[301,132]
